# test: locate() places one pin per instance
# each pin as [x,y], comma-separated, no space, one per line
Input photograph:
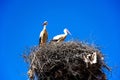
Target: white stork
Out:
[43,35]
[61,37]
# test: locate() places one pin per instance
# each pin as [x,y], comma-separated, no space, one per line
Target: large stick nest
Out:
[64,61]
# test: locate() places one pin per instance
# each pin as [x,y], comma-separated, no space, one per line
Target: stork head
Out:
[45,23]
[66,31]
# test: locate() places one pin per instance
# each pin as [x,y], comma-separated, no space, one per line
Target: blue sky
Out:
[95,21]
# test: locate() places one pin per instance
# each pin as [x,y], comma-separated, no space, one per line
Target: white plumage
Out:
[61,37]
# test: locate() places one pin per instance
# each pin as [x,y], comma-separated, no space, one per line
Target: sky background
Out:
[94,21]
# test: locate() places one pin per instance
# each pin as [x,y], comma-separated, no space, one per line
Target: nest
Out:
[66,61]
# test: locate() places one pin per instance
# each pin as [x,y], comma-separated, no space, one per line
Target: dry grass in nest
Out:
[64,61]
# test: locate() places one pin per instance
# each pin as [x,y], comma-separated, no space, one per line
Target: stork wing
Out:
[39,40]
[58,37]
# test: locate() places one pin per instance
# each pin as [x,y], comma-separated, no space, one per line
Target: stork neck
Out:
[66,33]
[44,27]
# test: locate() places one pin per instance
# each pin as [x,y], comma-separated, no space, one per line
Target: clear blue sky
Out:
[97,21]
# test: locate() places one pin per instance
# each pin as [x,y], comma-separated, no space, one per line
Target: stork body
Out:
[43,35]
[61,37]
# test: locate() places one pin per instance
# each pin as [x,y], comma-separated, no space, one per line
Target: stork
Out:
[61,37]
[43,35]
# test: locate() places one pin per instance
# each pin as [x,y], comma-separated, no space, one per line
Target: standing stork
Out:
[61,37]
[43,35]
